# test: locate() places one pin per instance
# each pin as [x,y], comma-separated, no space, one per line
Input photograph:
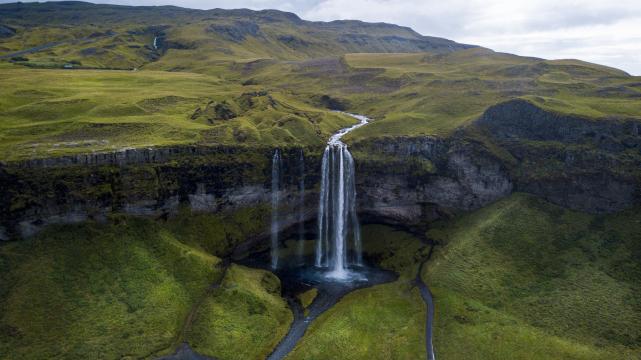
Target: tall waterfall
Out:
[276,171]
[301,206]
[337,218]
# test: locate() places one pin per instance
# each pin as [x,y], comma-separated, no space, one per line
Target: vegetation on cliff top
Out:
[47,113]
[523,276]
[265,78]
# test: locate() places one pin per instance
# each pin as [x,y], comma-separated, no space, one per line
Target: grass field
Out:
[56,112]
[244,319]
[219,56]
[121,289]
[524,277]
[99,291]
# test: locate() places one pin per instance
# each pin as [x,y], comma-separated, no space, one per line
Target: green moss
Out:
[244,319]
[218,233]
[307,298]
[383,322]
[537,276]
[98,291]
[394,249]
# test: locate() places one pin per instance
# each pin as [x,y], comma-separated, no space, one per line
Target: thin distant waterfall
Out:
[301,206]
[337,218]
[276,171]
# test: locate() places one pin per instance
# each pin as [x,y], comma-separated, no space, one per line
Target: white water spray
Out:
[301,206]
[276,170]
[337,207]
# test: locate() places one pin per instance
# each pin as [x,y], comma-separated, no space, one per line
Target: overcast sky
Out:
[606,32]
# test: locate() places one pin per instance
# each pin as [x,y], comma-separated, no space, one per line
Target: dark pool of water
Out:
[297,278]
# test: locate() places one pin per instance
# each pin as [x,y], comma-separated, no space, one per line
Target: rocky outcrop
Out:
[6,31]
[584,164]
[592,165]
[412,180]
[519,120]
[146,182]
[237,32]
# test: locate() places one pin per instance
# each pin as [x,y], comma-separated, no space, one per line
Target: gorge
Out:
[181,183]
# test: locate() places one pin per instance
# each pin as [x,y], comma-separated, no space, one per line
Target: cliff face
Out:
[409,180]
[578,163]
[148,182]
[583,164]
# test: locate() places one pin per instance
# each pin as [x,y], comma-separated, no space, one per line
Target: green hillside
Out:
[518,279]
[258,77]
[47,113]
[523,276]
[110,36]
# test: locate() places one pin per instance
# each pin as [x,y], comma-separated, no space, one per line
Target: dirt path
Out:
[184,351]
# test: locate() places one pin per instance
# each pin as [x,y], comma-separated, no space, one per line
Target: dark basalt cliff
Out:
[583,164]
[146,182]
[410,180]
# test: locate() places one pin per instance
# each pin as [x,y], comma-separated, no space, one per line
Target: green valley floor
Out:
[519,279]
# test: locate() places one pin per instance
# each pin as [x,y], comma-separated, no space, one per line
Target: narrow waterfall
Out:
[276,172]
[337,218]
[301,206]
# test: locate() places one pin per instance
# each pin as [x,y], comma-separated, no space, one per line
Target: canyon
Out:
[402,180]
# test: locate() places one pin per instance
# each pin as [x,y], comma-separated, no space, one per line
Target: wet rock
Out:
[405,192]
[201,201]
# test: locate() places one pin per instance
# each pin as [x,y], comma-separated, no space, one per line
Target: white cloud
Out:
[605,32]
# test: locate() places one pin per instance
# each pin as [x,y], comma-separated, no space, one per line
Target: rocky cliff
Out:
[584,164]
[591,165]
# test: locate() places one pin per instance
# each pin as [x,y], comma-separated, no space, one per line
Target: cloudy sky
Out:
[606,32]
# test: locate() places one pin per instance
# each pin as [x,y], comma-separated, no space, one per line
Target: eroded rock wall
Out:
[583,164]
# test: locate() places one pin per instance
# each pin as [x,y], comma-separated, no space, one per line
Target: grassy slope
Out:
[98,291]
[244,319]
[434,94]
[523,277]
[127,285]
[382,322]
[439,93]
[108,36]
[417,93]
[57,112]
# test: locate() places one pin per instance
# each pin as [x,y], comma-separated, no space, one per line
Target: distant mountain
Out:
[130,36]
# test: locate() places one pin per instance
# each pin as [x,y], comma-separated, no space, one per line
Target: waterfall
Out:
[337,218]
[276,171]
[301,206]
